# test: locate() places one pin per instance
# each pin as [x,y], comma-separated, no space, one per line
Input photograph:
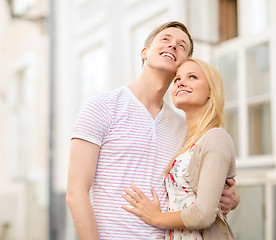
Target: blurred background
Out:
[55,54]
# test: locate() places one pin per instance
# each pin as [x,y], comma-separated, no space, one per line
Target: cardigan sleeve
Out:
[214,160]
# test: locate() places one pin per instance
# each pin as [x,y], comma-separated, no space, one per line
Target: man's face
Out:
[168,50]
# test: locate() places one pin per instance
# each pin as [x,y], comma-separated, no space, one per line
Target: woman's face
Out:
[190,88]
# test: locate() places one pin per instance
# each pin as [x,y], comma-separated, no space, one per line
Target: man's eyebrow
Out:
[169,35]
[183,41]
[166,35]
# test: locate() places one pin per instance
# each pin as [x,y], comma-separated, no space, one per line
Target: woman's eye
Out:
[165,39]
[193,77]
[176,80]
[182,46]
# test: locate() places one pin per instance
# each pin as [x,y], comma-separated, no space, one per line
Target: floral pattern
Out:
[181,195]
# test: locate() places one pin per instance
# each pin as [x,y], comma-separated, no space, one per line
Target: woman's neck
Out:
[192,118]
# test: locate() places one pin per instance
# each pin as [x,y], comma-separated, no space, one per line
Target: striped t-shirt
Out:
[135,149]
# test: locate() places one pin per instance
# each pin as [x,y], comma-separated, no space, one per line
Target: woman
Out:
[195,178]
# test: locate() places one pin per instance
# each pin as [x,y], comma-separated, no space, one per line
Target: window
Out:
[256,19]
[228,68]
[259,129]
[258,83]
[228,16]
[21,124]
[244,63]
[93,71]
[250,212]
[258,95]
[20,7]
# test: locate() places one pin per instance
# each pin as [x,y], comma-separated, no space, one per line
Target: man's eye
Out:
[165,39]
[182,46]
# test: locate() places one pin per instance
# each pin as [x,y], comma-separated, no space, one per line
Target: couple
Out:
[127,137]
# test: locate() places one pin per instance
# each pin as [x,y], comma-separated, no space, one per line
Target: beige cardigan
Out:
[212,162]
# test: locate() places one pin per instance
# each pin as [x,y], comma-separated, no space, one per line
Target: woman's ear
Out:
[144,53]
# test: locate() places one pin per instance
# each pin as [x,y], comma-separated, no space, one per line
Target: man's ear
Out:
[144,53]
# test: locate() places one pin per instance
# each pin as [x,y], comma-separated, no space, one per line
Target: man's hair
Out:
[174,24]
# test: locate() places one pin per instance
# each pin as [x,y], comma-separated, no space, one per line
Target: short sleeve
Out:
[93,121]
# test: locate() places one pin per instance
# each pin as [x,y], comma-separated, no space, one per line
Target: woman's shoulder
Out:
[217,131]
[218,138]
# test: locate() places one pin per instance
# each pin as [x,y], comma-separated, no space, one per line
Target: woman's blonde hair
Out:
[213,111]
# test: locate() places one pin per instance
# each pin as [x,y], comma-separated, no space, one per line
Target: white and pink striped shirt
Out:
[135,149]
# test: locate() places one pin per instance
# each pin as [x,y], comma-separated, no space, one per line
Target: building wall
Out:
[24,124]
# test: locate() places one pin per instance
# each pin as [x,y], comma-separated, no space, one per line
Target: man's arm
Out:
[82,168]
[230,198]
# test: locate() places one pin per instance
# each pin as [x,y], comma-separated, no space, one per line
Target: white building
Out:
[97,46]
[24,120]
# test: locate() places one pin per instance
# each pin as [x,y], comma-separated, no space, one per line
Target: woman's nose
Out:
[181,83]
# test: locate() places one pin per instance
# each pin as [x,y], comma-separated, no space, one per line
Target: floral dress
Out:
[181,195]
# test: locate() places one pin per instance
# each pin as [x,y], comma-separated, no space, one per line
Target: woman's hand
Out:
[146,209]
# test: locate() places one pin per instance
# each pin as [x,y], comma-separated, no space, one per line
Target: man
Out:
[128,136]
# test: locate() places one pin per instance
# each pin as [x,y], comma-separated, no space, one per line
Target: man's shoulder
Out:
[107,96]
[110,94]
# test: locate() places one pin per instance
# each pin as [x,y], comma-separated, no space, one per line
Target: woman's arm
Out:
[216,162]
[149,210]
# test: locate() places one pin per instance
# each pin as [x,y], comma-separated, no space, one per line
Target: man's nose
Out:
[173,46]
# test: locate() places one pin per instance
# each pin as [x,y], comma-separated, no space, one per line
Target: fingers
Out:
[226,193]
[130,200]
[131,210]
[224,208]
[138,191]
[225,205]
[155,196]
[136,196]
[225,212]
[230,182]
[132,194]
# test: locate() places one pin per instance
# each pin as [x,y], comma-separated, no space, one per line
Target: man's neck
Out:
[150,89]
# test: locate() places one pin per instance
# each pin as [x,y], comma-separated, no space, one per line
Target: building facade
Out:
[97,45]
[24,120]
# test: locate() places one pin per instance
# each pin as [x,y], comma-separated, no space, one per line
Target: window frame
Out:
[25,62]
[241,44]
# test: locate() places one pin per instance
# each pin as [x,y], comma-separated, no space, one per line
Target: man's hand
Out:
[230,198]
